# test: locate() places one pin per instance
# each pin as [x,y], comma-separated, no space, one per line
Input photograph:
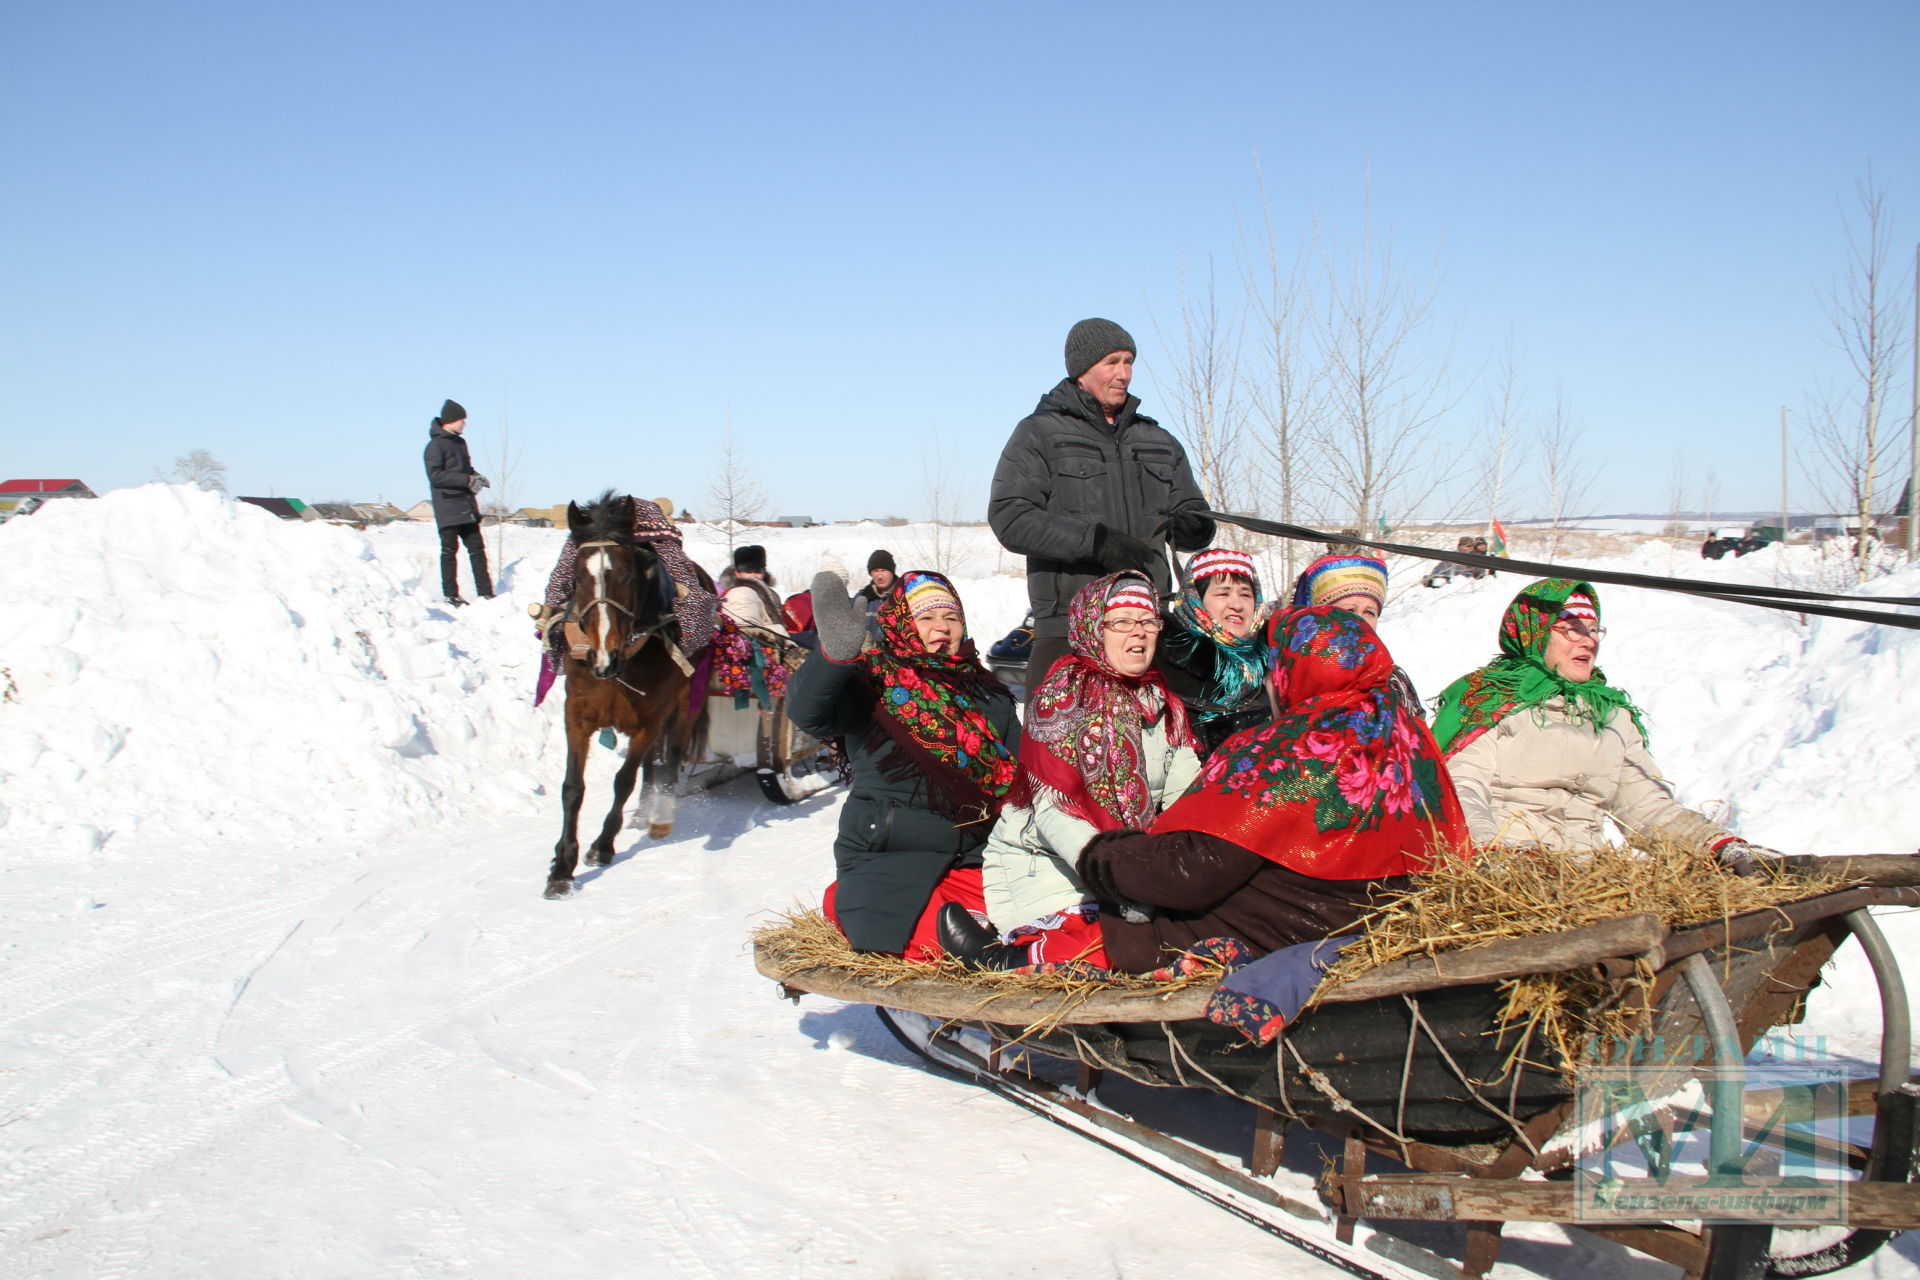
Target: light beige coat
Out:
[1538,777]
[1027,867]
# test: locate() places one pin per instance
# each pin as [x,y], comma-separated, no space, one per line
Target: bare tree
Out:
[1204,388]
[934,546]
[733,491]
[503,460]
[1283,387]
[201,470]
[1565,474]
[1386,388]
[1500,451]
[1852,465]
[1709,496]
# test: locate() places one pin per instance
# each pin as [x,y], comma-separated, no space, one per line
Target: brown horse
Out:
[622,674]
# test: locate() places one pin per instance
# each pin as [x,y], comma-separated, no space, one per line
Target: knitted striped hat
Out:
[924,592]
[1581,607]
[1131,593]
[1332,578]
[1217,560]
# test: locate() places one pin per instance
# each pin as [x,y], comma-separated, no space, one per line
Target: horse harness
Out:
[579,647]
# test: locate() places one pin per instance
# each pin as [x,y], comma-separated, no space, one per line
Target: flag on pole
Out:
[1499,546]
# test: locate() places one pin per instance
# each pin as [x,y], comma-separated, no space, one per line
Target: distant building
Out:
[379,512]
[24,497]
[794,522]
[421,511]
[333,513]
[281,507]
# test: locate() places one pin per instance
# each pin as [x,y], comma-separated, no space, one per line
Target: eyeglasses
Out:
[1580,631]
[1130,626]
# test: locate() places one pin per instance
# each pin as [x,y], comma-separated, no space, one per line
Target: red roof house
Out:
[46,489]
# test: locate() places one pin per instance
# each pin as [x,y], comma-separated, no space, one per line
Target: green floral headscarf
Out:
[1519,680]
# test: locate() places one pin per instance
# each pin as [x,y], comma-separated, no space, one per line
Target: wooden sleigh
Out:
[1436,1114]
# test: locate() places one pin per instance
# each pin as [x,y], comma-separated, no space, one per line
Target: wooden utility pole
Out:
[1913,422]
[1783,478]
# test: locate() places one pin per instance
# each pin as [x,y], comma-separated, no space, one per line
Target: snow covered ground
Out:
[281,996]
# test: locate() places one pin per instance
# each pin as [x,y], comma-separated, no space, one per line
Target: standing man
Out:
[881,580]
[1086,484]
[455,486]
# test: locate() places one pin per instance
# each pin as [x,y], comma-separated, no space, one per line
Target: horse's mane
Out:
[609,517]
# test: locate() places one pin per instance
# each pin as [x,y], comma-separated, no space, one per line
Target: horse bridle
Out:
[578,645]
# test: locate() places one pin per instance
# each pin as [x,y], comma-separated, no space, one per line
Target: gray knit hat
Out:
[1091,341]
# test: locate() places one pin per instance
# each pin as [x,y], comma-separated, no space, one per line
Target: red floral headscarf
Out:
[931,708]
[1346,783]
[1081,747]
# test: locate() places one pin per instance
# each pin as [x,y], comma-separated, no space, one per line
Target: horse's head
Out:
[616,593]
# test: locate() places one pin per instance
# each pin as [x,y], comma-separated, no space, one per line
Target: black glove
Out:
[1094,868]
[1189,530]
[1114,550]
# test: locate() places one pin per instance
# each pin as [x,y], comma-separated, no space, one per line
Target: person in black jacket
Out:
[455,487]
[1088,485]
[932,737]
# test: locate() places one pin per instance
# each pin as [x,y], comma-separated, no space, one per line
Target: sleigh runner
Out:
[1488,1125]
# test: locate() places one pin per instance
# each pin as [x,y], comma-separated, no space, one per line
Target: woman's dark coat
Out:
[893,848]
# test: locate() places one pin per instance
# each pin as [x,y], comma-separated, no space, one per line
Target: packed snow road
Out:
[401,1061]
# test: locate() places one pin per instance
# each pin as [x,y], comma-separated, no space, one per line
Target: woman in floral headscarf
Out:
[1104,748]
[1294,830]
[930,735]
[1545,751]
[1213,657]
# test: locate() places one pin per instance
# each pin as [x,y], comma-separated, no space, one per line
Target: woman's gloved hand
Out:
[836,620]
[1744,859]
[1095,866]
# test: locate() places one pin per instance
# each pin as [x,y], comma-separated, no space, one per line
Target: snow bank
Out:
[190,666]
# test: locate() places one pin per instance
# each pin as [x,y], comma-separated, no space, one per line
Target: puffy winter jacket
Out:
[1065,470]
[449,468]
[893,848]
[1540,777]
[1027,866]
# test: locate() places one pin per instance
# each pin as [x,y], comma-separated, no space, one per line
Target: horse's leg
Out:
[600,852]
[659,798]
[566,854]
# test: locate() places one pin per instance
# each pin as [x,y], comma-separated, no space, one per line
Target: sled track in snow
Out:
[62,1180]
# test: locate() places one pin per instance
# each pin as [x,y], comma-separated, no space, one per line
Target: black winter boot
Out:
[963,938]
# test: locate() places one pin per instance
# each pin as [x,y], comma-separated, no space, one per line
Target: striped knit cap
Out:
[1131,593]
[1217,560]
[1581,607]
[925,591]
[1332,578]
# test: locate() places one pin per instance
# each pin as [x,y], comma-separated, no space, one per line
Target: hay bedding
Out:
[1503,893]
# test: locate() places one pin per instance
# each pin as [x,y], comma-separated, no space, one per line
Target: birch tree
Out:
[1852,465]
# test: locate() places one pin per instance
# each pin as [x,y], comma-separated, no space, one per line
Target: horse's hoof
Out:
[598,859]
[659,830]
[558,888]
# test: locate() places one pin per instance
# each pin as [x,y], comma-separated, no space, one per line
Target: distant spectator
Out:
[798,610]
[455,487]
[749,598]
[882,578]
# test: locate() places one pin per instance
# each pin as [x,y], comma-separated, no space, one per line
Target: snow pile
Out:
[189,666]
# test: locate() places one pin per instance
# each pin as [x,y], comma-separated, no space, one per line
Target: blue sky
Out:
[859,232]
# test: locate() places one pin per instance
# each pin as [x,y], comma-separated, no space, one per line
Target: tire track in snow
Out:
[55,1183]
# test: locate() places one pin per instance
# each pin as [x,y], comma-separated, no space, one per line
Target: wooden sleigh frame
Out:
[1715,989]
